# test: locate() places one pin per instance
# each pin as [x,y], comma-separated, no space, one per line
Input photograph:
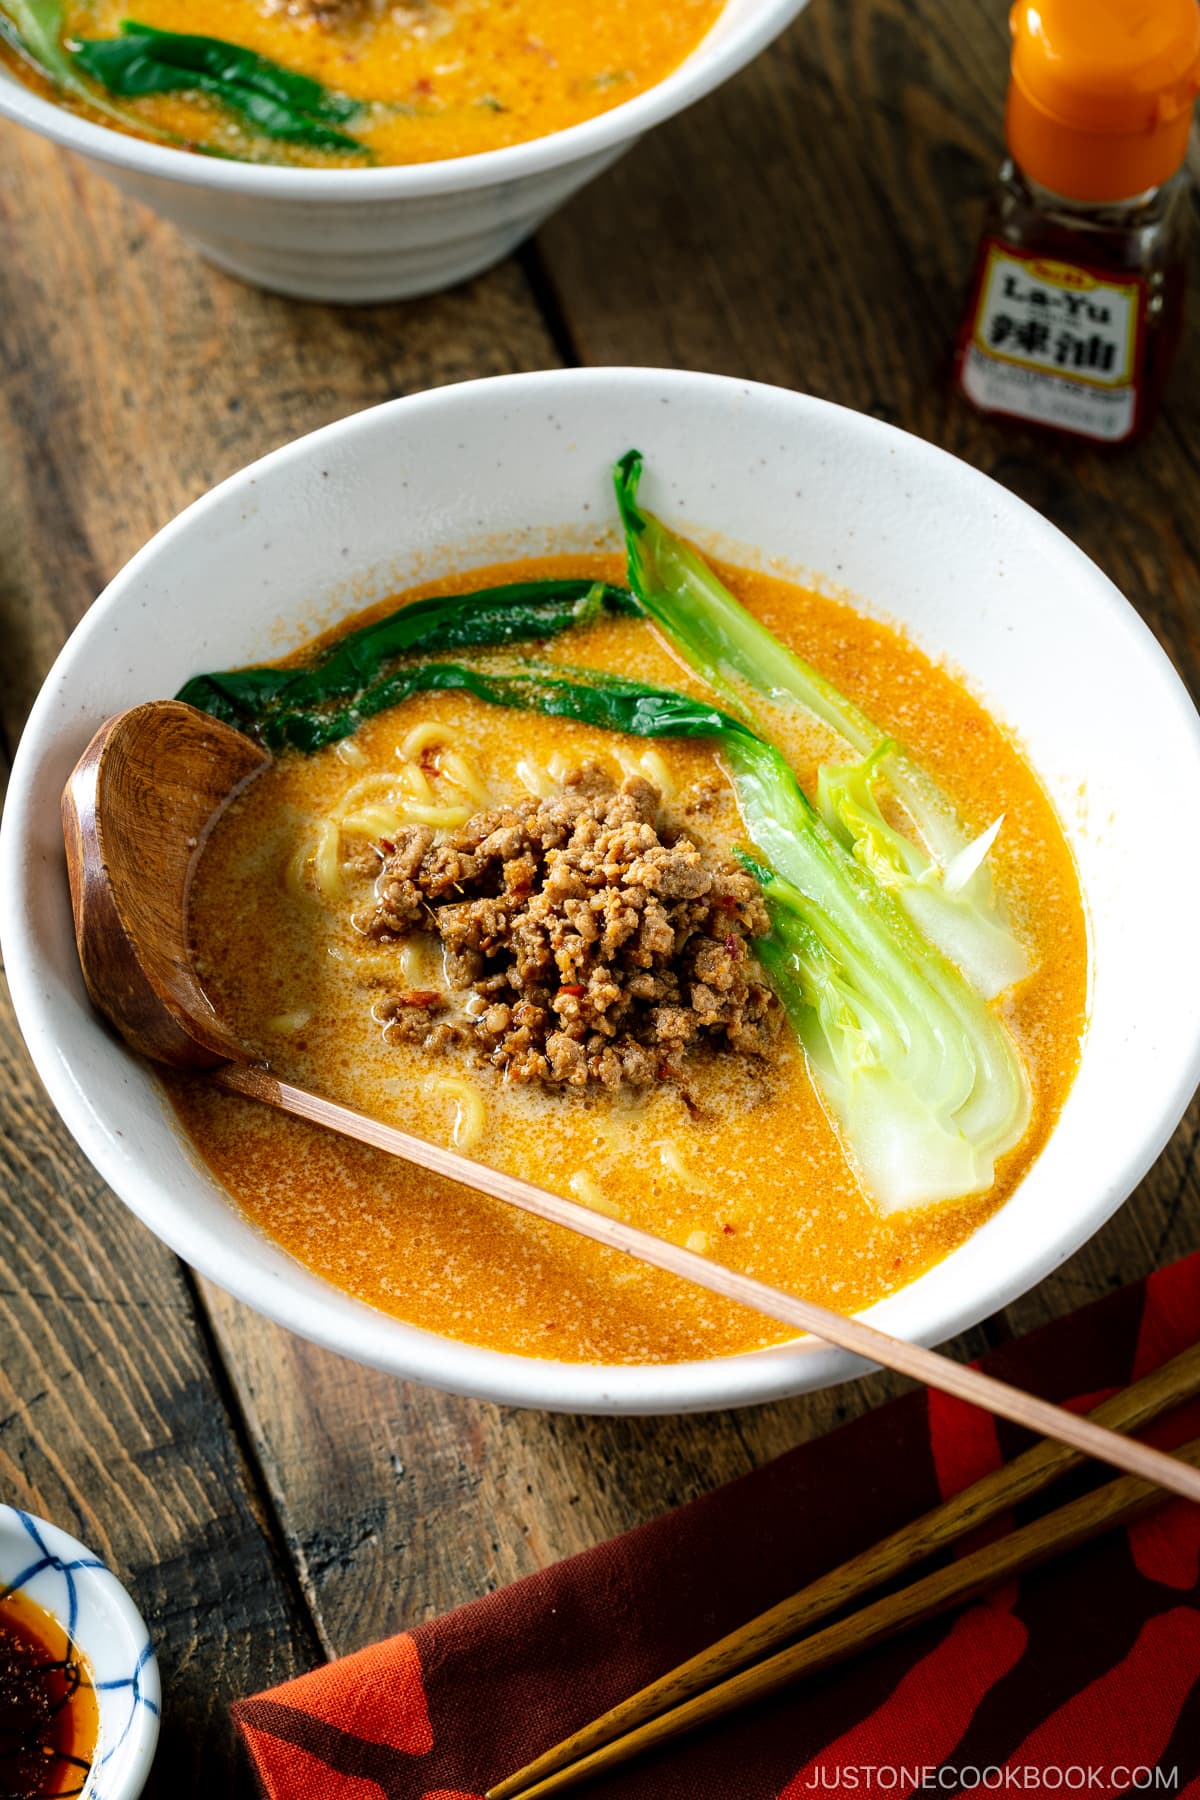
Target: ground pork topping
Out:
[584,939]
[422,17]
[321,12]
[335,14]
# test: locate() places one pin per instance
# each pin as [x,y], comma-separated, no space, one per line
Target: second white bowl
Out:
[359,235]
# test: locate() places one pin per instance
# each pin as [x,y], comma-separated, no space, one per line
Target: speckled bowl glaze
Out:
[66,1580]
[358,235]
[467,475]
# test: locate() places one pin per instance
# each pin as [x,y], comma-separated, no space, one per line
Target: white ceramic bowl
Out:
[84,1597]
[357,235]
[466,474]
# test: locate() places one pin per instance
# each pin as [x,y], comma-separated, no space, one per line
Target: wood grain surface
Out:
[811,224]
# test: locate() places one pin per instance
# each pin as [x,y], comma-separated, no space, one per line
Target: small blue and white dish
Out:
[62,1577]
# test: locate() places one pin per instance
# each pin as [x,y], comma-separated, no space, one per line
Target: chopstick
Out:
[1024,1549]
[847,1332]
[912,1544]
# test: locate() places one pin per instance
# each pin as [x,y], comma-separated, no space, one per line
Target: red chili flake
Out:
[731,944]
[387,846]
[423,85]
[729,1230]
[666,1072]
[727,902]
[897,1262]
[419,997]
[575,992]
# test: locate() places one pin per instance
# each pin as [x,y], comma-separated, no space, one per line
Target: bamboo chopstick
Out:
[1052,1535]
[847,1332]
[1015,1481]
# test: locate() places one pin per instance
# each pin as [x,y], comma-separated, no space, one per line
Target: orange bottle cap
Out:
[1100,101]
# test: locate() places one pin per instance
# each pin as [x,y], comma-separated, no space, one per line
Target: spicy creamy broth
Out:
[740,1161]
[442,78]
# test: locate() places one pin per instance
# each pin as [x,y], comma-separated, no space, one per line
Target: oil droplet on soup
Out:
[746,1163]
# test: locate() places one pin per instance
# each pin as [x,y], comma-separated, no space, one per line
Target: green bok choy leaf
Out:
[944,883]
[272,100]
[296,705]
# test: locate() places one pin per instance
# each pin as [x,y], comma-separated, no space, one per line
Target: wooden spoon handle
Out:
[850,1334]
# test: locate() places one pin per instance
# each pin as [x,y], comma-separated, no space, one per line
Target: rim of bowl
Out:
[126,1628]
[706,66]
[354,1328]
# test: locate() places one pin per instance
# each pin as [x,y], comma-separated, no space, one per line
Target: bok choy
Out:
[595,698]
[943,882]
[294,705]
[923,1080]
[272,100]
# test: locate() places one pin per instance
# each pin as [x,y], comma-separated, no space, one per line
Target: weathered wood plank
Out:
[113,1424]
[400,1504]
[414,1502]
[133,377]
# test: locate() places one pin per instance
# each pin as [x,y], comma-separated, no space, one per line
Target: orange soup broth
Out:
[754,1175]
[445,79]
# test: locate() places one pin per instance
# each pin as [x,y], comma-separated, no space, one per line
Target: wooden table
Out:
[813,224]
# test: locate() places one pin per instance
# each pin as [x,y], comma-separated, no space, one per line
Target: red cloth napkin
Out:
[1084,1677]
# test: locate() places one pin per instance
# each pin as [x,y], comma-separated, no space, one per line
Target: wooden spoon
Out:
[135,814]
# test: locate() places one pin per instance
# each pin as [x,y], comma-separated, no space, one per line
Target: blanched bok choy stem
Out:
[944,882]
[34,28]
[953,903]
[924,1081]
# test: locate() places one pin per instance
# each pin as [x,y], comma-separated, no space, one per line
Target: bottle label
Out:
[1055,343]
